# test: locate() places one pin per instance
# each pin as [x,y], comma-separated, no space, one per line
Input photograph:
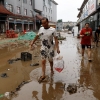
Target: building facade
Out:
[89,12]
[45,8]
[22,17]
[26,14]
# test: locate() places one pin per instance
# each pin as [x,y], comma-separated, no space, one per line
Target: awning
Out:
[39,16]
[3,10]
[52,23]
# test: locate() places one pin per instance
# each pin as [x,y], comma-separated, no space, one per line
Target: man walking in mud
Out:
[86,36]
[46,34]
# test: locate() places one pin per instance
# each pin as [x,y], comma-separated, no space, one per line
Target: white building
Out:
[46,8]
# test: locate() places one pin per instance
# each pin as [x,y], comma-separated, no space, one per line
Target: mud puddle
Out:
[79,79]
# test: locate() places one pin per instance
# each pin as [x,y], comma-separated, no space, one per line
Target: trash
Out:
[10,61]
[25,56]
[58,63]
[72,88]
[7,95]
[28,36]
[1,95]
[4,75]
[36,64]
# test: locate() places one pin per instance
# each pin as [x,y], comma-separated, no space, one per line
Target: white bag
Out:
[58,63]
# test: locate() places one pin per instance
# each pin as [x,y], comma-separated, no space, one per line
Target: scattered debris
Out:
[72,88]
[36,64]
[1,95]
[10,61]
[4,75]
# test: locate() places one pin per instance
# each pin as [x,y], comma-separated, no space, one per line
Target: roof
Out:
[22,17]
[82,6]
[3,10]
[54,2]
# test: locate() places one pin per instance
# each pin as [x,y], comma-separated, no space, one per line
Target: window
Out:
[43,2]
[46,9]
[51,18]
[51,11]
[10,8]
[31,13]
[24,1]
[18,10]
[25,11]
[30,2]
[49,2]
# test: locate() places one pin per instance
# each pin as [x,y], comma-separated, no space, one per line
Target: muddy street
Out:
[79,80]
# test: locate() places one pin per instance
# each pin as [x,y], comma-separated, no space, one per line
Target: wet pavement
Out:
[79,80]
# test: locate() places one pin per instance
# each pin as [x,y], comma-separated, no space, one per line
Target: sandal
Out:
[41,79]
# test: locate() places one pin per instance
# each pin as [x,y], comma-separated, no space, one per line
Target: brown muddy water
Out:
[79,79]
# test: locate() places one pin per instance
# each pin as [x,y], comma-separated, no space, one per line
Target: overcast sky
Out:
[67,9]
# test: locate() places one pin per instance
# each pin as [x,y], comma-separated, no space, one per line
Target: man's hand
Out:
[81,36]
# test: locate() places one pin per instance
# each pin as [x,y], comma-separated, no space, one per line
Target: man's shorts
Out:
[88,46]
[47,53]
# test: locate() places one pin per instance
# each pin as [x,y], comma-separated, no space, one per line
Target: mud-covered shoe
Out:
[41,79]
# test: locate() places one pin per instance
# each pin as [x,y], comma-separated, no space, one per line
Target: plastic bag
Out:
[58,63]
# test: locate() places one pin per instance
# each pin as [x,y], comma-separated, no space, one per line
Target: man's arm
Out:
[57,44]
[81,34]
[37,36]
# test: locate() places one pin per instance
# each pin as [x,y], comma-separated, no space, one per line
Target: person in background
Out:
[73,32]
[86,37]
[46,34]
[96,37]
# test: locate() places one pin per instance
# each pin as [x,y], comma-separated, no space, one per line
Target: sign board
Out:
[91,6]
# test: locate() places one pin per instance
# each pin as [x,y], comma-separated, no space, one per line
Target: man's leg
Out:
[83,49]
[89,52]
[97,43]
[43,67]
[51,65]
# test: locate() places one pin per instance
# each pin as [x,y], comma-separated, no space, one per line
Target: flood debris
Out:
[26,56]
[9,95]
[72,88]
[10,61]
[4,75]
[36,64]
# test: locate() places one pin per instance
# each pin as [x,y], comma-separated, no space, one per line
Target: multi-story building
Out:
[26,14]
[22,14]
[45,8]
[89,12]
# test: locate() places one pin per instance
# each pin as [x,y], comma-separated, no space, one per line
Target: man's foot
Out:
[41,79]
